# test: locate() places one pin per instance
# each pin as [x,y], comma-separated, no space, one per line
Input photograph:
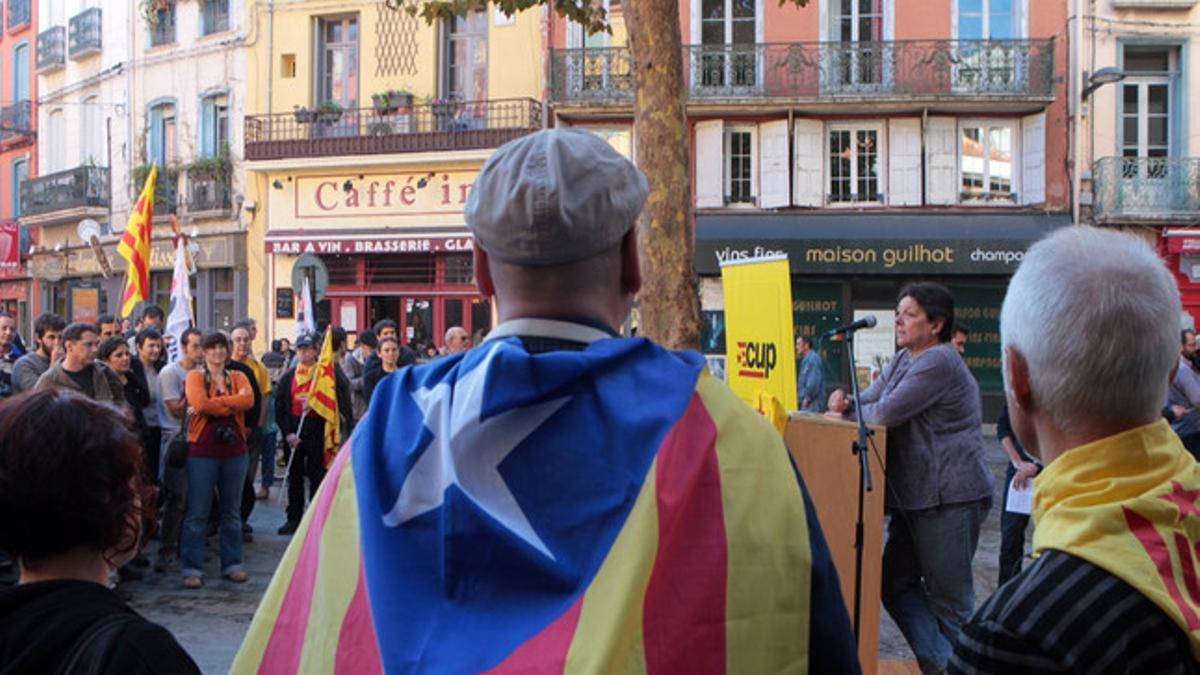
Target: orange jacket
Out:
[209,403]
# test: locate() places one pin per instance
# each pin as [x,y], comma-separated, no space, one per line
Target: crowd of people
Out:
[649,521]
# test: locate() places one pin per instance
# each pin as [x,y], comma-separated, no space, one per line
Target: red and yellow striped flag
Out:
[135,247]
[322,398]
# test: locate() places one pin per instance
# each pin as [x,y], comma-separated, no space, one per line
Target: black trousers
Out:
[253,449]
[1012,533]
[152,446]
[308,462]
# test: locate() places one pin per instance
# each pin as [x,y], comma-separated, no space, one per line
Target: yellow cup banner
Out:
[759,345]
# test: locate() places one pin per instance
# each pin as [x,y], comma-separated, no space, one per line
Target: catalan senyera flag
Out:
[611,510]
[135,247]
[322,398]
[1127,504]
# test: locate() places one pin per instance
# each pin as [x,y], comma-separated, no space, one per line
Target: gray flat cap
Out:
[554,197]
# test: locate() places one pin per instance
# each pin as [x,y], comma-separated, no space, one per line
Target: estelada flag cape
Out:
[1127,504]
[611,510]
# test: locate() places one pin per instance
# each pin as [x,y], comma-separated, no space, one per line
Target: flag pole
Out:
[292,455]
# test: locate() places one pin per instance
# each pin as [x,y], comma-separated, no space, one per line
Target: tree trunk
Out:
[669,303]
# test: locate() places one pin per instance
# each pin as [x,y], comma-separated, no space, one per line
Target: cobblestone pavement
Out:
[211,622]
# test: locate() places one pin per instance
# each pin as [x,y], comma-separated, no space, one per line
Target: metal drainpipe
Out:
[1076,81]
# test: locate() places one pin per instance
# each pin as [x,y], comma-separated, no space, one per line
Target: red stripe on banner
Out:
[545,652]
[1156,548]
[323,399]
[287,640]
[684,611]
[358,646]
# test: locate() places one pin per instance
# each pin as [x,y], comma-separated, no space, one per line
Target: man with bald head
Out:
[1113,588]
[561,498]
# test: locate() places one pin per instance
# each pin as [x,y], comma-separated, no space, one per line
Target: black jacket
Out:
[373,370]
[42,623]
[283,404]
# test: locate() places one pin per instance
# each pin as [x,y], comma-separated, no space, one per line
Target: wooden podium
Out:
[821,447]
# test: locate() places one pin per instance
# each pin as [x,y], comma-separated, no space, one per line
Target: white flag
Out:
[180,317]
[306,323]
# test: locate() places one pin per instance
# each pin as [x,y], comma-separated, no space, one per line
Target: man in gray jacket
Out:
[48,330]
[79,369]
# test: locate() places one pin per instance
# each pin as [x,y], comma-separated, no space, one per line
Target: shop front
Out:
[845,266]
[394,244]
[1180,248]
[73,283]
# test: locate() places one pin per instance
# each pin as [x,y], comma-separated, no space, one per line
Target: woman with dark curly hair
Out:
[72,495]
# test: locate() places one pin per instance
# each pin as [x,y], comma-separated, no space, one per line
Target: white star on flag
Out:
[466,451]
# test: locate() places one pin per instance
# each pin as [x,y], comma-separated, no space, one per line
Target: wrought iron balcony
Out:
[918,70]
[15,121]
[18,13]
[207,192]
[1141,189]
[81,187]
[84,29]
[52,49]
[429,127]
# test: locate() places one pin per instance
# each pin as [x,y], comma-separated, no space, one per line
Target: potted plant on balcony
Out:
[151,8]
[304,114]
[392,101]
[444,111]
[329,112]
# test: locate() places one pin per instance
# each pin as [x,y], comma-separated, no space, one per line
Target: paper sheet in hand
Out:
[1020,501]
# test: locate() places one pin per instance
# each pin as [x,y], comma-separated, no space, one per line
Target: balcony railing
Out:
[52,49]
[18,13]
[81,187]
[912,69]
[84,31]
[468,125]
[1146,189]
[15,121]
[207,192]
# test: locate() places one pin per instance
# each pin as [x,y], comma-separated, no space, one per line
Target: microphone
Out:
[867,321]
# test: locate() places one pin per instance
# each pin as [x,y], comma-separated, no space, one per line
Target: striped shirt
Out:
[1065,615]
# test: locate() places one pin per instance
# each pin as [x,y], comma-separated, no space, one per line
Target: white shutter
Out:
[904,162]
[810,186]
[1033,159]
[710,145]
[941,160]
[773,164]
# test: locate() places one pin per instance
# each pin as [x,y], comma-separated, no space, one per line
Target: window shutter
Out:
[1033,159]
[810,186]
[904,162]
[941,158]
[154,140]
[710,192]
[773,162]
[208,133]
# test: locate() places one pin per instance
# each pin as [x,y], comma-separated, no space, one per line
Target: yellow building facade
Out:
[365,130]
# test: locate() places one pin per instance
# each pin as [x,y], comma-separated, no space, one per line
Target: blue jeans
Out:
[225,475]
[270,442]
[928,583]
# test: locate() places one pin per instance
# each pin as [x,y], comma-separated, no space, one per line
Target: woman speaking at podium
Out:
[938,485]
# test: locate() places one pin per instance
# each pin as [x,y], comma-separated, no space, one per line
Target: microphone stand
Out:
[859,447]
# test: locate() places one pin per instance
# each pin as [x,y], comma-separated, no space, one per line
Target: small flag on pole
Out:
[322,398]
[305,321]
[180,317]
[135,247]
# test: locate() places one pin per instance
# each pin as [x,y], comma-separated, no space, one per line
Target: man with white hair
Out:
[1114,587]
[457,340]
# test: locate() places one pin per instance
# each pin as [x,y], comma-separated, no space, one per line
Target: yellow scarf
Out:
[1127,504]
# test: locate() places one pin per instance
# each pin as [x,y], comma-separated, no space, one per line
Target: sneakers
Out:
[192,582]
[288,528]
[263,493]
[237,576]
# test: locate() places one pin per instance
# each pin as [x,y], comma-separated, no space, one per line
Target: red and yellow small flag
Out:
[135,247]
[322,398]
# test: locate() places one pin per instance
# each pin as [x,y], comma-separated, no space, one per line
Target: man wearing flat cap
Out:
[559,499]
